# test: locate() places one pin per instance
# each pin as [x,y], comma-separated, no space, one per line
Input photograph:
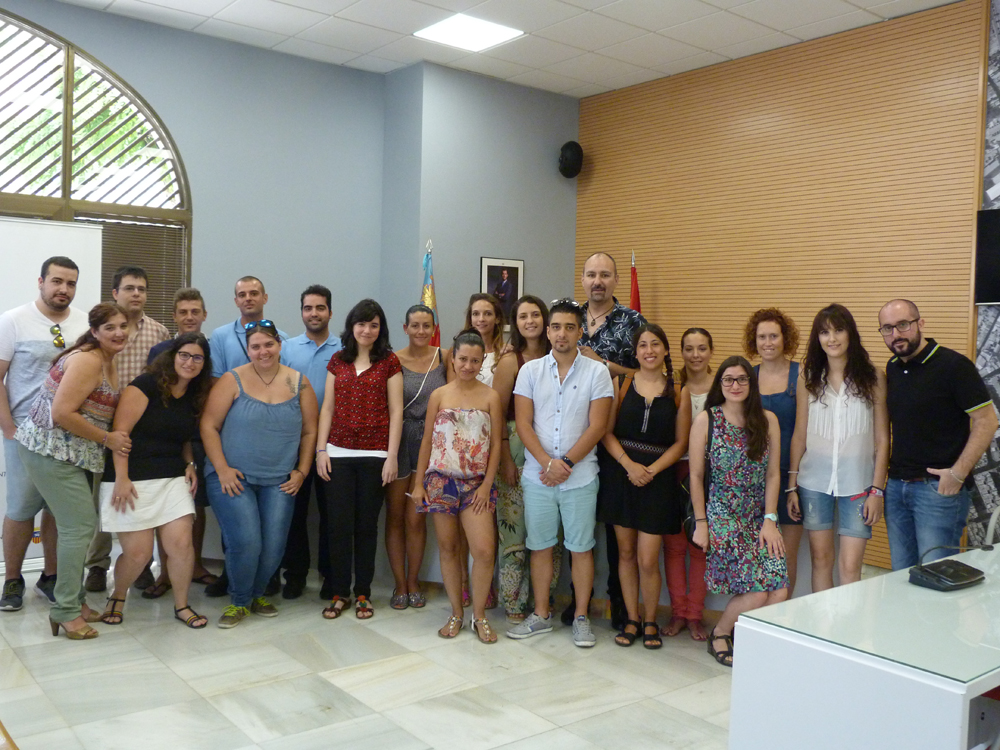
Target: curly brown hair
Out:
[789,331]
[162,368]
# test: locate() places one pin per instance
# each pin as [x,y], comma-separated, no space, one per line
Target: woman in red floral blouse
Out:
[362,416]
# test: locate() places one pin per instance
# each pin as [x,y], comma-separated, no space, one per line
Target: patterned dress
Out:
[736,562]
[460,451]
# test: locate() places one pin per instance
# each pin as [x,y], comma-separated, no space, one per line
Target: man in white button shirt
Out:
[561,404]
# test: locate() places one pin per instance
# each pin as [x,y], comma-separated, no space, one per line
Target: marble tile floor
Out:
[299,681]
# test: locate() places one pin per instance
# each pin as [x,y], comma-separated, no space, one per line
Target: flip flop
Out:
[206,579]
[157,590]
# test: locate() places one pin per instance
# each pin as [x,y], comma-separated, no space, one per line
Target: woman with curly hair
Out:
[152,488]
[485,316]
[735,519]
[840,449]
[774,337]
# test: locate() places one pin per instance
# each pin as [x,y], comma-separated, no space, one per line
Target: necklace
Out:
[267,383]
[593,318]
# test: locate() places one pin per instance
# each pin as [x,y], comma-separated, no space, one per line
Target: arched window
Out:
[98,155]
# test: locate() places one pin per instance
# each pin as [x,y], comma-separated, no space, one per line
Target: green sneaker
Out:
[261,606]
[232,615]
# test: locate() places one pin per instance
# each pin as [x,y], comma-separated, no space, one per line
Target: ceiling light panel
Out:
[466,32]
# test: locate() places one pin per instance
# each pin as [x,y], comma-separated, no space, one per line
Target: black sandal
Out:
[115,612]
[724,657]
[651,640]
[625,639]
[192,621]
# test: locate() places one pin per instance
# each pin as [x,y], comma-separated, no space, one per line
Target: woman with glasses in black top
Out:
[259,431]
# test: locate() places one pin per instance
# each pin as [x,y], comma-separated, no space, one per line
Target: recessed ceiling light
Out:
[466,32]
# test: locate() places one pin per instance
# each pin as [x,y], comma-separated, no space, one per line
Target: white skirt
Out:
[160,501]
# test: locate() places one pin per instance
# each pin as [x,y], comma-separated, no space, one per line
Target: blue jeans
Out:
[918,518]
[254,528]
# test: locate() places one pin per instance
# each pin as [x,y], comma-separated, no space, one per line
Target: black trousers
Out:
[354,498]
[296,559]
[614,582]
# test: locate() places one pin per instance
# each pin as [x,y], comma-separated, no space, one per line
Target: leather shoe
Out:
[220,587]
[146,578]
[97,579]
[274,585]
[292,589]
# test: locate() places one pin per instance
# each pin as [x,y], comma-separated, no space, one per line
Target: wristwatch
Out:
[565,460]
[771,517]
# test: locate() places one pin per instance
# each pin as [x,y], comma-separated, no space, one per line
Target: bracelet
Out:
[298,470]
[192,463]
[619,459]
[605,360]
[793,472]
[791,489]
[873,490]
[960,480]
[549,465]
[321,450]
[698,520]
[105,441]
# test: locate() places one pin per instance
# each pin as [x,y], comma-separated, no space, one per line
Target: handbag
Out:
[689,519]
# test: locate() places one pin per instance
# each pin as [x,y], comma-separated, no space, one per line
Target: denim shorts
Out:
[24,501]
[818,512]
[543,508]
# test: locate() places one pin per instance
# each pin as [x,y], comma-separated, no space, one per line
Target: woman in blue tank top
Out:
[774,337]
[259,431]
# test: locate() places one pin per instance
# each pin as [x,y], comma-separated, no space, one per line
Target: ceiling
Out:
[574,47]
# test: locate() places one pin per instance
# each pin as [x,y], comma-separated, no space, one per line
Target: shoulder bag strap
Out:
[624,381]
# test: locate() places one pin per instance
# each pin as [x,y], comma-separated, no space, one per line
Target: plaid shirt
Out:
[613,340]
[131,360]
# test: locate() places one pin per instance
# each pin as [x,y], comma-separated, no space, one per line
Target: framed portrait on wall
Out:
[504,279]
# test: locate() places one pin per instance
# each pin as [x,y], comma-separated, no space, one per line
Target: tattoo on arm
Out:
[293,384]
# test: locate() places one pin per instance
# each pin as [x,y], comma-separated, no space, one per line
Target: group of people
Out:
[516,448]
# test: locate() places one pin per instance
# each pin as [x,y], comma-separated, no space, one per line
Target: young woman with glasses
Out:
[840,449]
[737,523]
[152,487]
[259,431]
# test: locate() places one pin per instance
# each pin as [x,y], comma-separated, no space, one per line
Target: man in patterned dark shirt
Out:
[608,328]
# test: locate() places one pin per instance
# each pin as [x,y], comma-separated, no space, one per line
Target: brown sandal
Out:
[363,608]
[483,630]
[337,606]
[451,628]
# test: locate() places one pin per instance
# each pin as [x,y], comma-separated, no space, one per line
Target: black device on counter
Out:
[947,575]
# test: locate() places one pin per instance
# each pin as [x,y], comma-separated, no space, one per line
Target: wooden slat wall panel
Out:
[843,169]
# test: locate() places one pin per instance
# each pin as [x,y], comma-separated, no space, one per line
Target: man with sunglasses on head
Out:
[129,289]
[31,336]
[942,420]
[229,342]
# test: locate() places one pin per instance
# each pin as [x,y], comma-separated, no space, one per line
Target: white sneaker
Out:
[531,625]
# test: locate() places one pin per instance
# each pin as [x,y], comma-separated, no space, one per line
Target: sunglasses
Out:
[59,342]
[565,301]
[262,323]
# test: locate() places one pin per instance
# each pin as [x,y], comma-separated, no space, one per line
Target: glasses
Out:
[262,323]
[564,301]
[728,382]
[902,326]
[59,342]
[196,358]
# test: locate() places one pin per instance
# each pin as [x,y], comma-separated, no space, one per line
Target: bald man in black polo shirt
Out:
[942,420]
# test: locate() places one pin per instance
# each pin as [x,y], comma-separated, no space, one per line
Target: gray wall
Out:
[283,154]
[490,185]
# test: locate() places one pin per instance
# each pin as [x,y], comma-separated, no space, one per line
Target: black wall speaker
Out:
[570,159]
[988,257]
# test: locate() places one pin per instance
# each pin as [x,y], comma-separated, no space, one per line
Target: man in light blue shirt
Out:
[561,403]
[229,342]
[309,353]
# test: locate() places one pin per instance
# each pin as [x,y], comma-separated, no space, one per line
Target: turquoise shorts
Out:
[545,506]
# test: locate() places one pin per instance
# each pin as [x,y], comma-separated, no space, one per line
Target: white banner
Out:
[24,245]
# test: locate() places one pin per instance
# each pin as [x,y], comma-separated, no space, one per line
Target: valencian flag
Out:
[427,296]
[634,297]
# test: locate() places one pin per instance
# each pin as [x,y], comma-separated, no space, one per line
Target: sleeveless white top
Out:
[840,444]
[486,369]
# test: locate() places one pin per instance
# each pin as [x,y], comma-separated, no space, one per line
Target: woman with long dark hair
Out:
[840,449]
[737,524]
[361,423]
[528,341]
[686,580]
[152,488]
[647,435]
[61,445]
[774,337]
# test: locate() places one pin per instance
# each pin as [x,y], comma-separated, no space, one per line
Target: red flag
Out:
[427,296]
[634,297]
